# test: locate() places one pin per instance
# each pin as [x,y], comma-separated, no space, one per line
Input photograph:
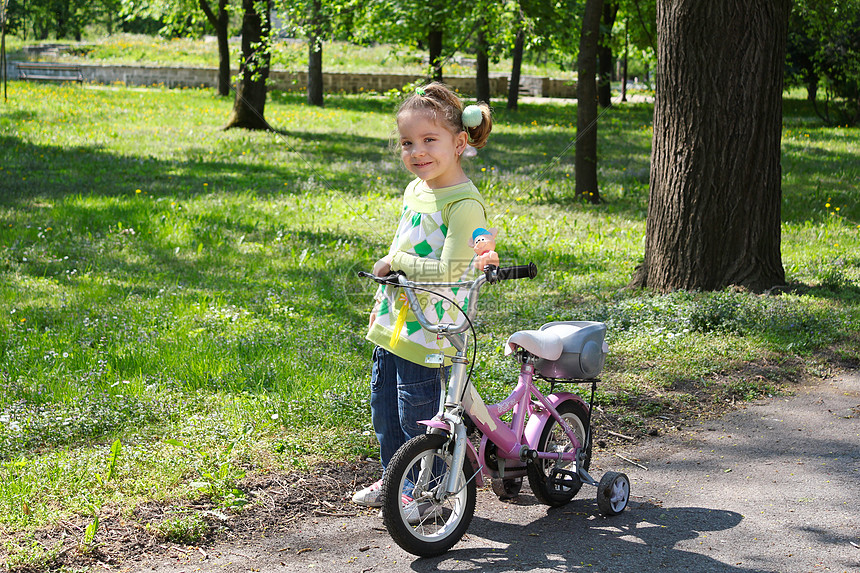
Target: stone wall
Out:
[182,77]
[361,83]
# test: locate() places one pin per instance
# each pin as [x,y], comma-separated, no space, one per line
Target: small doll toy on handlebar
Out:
[484,243]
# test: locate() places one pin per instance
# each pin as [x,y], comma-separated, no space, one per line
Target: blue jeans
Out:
[401,393]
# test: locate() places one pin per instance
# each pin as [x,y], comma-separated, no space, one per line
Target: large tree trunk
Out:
[250,102]
[516,68]
[435,40]
[220,22]
[585,160]
[714,207]
[605,61]
[482,74]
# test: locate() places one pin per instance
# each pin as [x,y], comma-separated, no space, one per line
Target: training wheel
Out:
[613,493]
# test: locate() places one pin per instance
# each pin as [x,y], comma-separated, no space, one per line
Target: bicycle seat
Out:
[565,350]
[540,343]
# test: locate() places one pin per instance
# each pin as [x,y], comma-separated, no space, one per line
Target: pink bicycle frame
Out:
[511,441]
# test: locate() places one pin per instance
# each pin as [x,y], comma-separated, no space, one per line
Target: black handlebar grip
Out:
[528,271]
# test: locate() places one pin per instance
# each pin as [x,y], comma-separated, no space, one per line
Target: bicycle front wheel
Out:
[419,515]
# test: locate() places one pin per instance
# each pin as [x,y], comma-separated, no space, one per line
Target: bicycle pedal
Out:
[562,479]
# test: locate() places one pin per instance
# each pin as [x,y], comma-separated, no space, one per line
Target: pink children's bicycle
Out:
[430,486]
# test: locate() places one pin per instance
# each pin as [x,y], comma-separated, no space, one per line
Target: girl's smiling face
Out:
[430,151]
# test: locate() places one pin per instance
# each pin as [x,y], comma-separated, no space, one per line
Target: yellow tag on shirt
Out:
[401,320]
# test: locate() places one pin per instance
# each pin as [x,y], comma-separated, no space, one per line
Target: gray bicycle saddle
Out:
[573,349]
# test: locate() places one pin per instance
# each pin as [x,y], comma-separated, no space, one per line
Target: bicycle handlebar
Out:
[492,274]
[528,271]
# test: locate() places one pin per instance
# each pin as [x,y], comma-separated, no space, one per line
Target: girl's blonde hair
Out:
[445,106]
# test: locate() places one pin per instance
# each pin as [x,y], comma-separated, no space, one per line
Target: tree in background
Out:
[516,65]
[586,106]
[605,59]
[318,21]
[715,194]
[250,103]
[632,37]
[58,18]
[220,21]
[824,52]
[188,18]
[493,31]
[544,30]
[3,13]
[438,26]
[316,33]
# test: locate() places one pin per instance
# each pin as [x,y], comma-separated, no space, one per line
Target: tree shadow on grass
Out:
[32,172]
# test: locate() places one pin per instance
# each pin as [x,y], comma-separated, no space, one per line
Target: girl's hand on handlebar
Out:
[488,258]
[383,266]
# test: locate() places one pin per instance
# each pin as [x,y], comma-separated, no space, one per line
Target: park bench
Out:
[49,71]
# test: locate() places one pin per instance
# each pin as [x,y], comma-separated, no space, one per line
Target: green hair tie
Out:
[420,91]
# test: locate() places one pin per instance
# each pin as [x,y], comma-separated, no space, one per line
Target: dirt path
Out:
[772,487]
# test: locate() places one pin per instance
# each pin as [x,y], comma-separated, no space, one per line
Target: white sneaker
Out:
[369,496]
[405,500]
[419,513]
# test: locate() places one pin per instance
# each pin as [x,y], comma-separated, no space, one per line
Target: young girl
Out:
[441,210]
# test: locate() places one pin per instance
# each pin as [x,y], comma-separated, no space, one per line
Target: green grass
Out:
[163,279]
[135,49]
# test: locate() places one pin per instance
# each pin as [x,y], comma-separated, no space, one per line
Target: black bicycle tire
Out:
[401,531]
[538,477]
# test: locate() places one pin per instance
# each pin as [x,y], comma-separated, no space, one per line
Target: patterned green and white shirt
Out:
[431,245]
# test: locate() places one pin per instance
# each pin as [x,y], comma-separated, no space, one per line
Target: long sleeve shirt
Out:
[431,244]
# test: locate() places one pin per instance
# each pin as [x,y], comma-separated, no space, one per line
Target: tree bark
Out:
[315,73]
[482,74]
[3,50]
[516,68]
[434,38]
[220,22]
[624,63]
[714,206]
[585,160]
[315,53]
[605,60]
[250,103]
[61,13]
